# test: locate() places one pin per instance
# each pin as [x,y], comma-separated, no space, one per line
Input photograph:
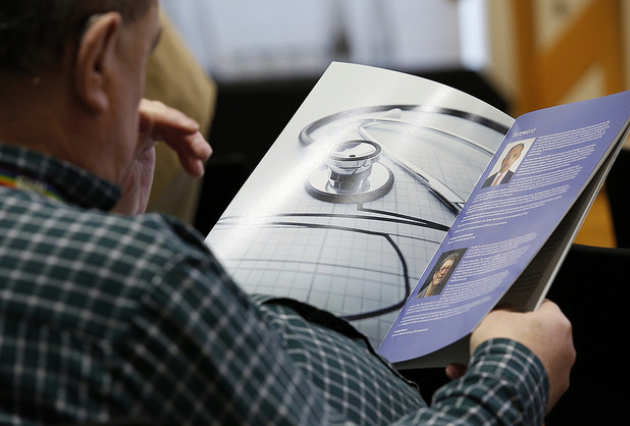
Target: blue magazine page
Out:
[539,171]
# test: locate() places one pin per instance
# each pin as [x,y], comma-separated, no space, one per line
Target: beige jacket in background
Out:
[175,78]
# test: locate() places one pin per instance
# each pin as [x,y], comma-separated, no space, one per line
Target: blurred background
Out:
[518,55]
[243,67]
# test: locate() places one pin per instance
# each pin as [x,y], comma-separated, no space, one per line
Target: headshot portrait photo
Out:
[511,158]
[441,272]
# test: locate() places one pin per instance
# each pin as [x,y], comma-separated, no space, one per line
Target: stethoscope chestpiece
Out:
[350,164]
[352,174]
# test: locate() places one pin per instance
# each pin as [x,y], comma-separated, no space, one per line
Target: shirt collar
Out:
[70,183]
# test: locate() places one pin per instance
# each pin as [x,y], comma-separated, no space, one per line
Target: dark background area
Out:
[591,287]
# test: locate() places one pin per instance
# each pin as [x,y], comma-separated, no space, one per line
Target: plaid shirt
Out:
[106,317]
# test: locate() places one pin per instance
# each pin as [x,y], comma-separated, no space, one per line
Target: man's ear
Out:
[95,60]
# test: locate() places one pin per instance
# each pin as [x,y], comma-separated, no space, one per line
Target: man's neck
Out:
[41,117]
[29,115]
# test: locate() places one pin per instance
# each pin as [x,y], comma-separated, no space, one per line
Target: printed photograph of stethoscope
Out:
[384,163]
[353,199]
[353,172]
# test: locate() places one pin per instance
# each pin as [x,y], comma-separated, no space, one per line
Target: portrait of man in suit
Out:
[505,174]
[441,273]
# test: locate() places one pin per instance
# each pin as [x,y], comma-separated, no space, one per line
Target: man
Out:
[505,174]
[439,277]
[107,317]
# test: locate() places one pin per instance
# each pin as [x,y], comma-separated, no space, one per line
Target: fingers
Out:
[164,118]
[455,371]
[180,133]
[547,306]
[193,151]
[199,146]
[547,332]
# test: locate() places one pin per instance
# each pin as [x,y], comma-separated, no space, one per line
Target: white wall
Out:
[243,39]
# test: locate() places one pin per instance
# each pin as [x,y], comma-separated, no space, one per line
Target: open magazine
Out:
[411,209]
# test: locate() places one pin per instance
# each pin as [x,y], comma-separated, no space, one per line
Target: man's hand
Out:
[160,123]
[179,132]
[546,332]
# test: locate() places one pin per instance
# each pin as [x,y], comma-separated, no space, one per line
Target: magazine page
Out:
[545,162]
[533,284]
[529,290]
[355,196]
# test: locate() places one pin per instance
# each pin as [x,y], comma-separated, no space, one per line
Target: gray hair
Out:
[33,33]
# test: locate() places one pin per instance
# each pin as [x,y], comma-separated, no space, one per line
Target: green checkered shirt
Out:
[105,317]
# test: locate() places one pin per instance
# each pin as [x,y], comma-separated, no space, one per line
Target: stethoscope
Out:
[353,173]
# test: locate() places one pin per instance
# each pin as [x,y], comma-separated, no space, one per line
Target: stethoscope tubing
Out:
[306,138]
[440,190]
